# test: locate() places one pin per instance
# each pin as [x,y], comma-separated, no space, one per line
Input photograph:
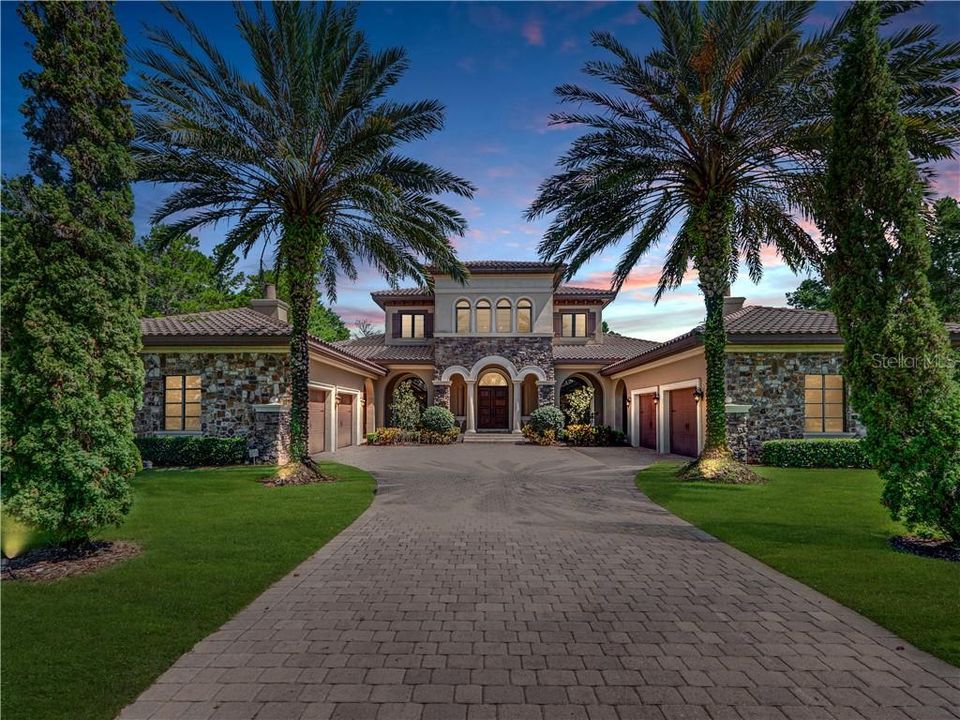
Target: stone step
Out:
[492,438]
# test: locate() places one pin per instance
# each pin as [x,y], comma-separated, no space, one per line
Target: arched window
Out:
[524,316]
[463,316]
[484,316]
[504,316]
[493,379]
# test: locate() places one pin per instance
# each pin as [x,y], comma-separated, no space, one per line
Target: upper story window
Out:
[504,316]
[484,316]
[573,324]
[823,403]
[463,317]
[524,316]
[412,325]
[181,403]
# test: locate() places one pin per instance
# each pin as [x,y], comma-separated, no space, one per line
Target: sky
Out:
[494,66]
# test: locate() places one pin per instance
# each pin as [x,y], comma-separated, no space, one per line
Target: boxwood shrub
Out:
[191,451]
[815,453]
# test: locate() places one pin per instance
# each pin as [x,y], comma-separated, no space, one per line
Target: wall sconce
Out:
[656,398]
[697,394]
[628,401]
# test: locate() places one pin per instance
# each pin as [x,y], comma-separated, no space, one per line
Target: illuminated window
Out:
[484,316]
[493,379]
[411,325]
[504,319]
[823,403]
[181,403]
[524,316]
[463,316]
[573,324]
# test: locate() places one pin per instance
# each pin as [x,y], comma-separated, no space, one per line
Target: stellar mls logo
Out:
[914,362]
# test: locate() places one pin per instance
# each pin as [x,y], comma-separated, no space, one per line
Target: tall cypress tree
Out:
[73,284]
[896,346]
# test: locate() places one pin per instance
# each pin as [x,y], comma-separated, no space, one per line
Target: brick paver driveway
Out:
[501,581]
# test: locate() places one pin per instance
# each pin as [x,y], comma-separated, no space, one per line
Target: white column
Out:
[471,406]
[517,408]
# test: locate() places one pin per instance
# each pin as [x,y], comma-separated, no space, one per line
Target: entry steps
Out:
[494,437]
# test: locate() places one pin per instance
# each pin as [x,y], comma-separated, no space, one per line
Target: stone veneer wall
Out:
[772,383]
[231,384]
[521,351]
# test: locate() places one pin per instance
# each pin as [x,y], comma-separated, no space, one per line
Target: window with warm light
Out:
[411,325]
[504,316]
[524,316]
[181,403]
[463,316]
[573,324]
[493,379]
[823,403]
[484,316]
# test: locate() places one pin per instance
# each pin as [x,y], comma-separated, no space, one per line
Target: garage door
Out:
[318,420]
[683,422]
[345,421]
[648,422]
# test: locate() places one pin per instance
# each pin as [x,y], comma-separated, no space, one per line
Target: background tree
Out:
[180,278]
[878,258]
[73,285]
[364,328]
[811,294]
[303,155]
[323,322]
[945,258]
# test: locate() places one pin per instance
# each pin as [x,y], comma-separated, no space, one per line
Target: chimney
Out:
[269,305]
[732,304]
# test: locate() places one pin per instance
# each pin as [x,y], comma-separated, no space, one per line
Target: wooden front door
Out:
[318,421]
[683,422]
[647,422]
[345,421]
[492,408]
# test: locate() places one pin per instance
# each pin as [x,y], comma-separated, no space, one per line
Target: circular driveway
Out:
[507,582]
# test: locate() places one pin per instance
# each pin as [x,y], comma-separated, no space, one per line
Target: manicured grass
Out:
[827,529]
[213,539]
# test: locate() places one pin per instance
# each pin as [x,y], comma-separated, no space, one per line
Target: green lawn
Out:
[212,540]
[827,529]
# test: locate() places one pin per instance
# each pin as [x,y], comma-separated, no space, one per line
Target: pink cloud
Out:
[533,32]
[351,315]
[501,171]
[642,278]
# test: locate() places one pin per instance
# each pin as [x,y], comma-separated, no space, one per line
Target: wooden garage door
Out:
[683,422]
[648,422]
[318,420]
[345,421]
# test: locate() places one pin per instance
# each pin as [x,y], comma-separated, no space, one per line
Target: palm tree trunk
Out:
[714,249]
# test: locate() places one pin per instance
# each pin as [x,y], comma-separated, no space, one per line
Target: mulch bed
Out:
[54,563]
[296,474]
[926,547]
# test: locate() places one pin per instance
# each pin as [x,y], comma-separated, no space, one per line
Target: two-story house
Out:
[509,340]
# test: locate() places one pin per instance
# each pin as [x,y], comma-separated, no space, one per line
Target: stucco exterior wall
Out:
[772,384]
[538,288]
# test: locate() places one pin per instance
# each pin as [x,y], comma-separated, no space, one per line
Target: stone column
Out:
[270,440]
[441,393]
[546,393]
[471,406]
[517,407]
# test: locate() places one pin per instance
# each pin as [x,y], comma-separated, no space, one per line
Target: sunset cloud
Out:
[533,32]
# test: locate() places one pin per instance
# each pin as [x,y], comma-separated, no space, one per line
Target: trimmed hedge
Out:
[815,453]
[190,451]
[437,419]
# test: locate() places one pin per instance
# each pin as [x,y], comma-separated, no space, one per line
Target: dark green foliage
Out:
[303,155]
[73,283]
[546,418]
[945,258]
[437,419]
[594,436]
[185,451]
[323,322]
[811,294]
[181,279]
[405,410]
[817,453]
[896,347]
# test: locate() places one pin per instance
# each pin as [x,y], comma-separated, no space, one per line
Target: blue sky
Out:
[494,66]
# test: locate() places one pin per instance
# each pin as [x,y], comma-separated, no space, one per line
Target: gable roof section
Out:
[756,324]
[237,326]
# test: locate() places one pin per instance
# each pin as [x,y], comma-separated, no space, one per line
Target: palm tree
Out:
[719,133]
[303,157]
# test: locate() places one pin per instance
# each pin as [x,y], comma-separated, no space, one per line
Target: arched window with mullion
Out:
[504,316]
[484,316]
[463,317]
[524,316]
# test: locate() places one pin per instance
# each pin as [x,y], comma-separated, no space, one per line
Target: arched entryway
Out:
[418,386]
[493,400]
[575,383]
